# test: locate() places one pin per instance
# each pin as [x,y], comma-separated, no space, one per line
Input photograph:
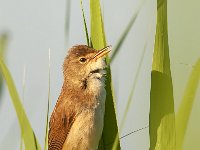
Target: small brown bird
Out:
[78,117]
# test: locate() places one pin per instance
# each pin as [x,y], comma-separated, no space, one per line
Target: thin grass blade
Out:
[98,41]
[3,44]
[161,117]
[123,36]
[125,33]
[48,103]
[85,25]
[128,104]
[23,90]
[29,138]
[184,111]
[67,21]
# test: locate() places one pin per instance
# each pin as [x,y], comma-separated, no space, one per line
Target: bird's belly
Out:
[86,131]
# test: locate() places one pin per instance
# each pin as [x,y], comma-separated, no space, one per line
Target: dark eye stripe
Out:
[82,59]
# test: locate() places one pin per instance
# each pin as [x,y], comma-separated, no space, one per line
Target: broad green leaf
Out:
[98,41]
[29,138]
[183,114]
[85,25]
[161,117]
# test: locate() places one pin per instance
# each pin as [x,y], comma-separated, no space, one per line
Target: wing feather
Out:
[59,127]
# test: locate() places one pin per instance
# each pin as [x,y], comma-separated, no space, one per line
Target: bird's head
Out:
[84,65]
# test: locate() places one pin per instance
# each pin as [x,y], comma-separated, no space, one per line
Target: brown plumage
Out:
[77,120]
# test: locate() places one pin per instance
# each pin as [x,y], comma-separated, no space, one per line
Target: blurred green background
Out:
[33,27]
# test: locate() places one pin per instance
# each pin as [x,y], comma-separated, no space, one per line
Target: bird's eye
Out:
[82,59]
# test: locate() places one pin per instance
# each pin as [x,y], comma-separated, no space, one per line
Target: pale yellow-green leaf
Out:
[29,138]
[161,117]
[164,141]
[97,29]
[183,114]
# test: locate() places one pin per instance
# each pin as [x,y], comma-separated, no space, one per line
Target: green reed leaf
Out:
[161,117]
[98,41]
[184,111]
[29,138]
[85,25]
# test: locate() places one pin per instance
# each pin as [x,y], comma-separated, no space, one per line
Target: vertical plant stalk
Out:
[49,91]
[184,111]
[161,117]
[98,41]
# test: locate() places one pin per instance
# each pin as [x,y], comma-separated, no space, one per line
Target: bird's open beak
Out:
[102,52]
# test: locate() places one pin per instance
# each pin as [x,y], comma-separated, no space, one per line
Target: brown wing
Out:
[59,126]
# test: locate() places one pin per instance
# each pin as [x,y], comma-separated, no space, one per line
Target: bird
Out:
[77,120]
